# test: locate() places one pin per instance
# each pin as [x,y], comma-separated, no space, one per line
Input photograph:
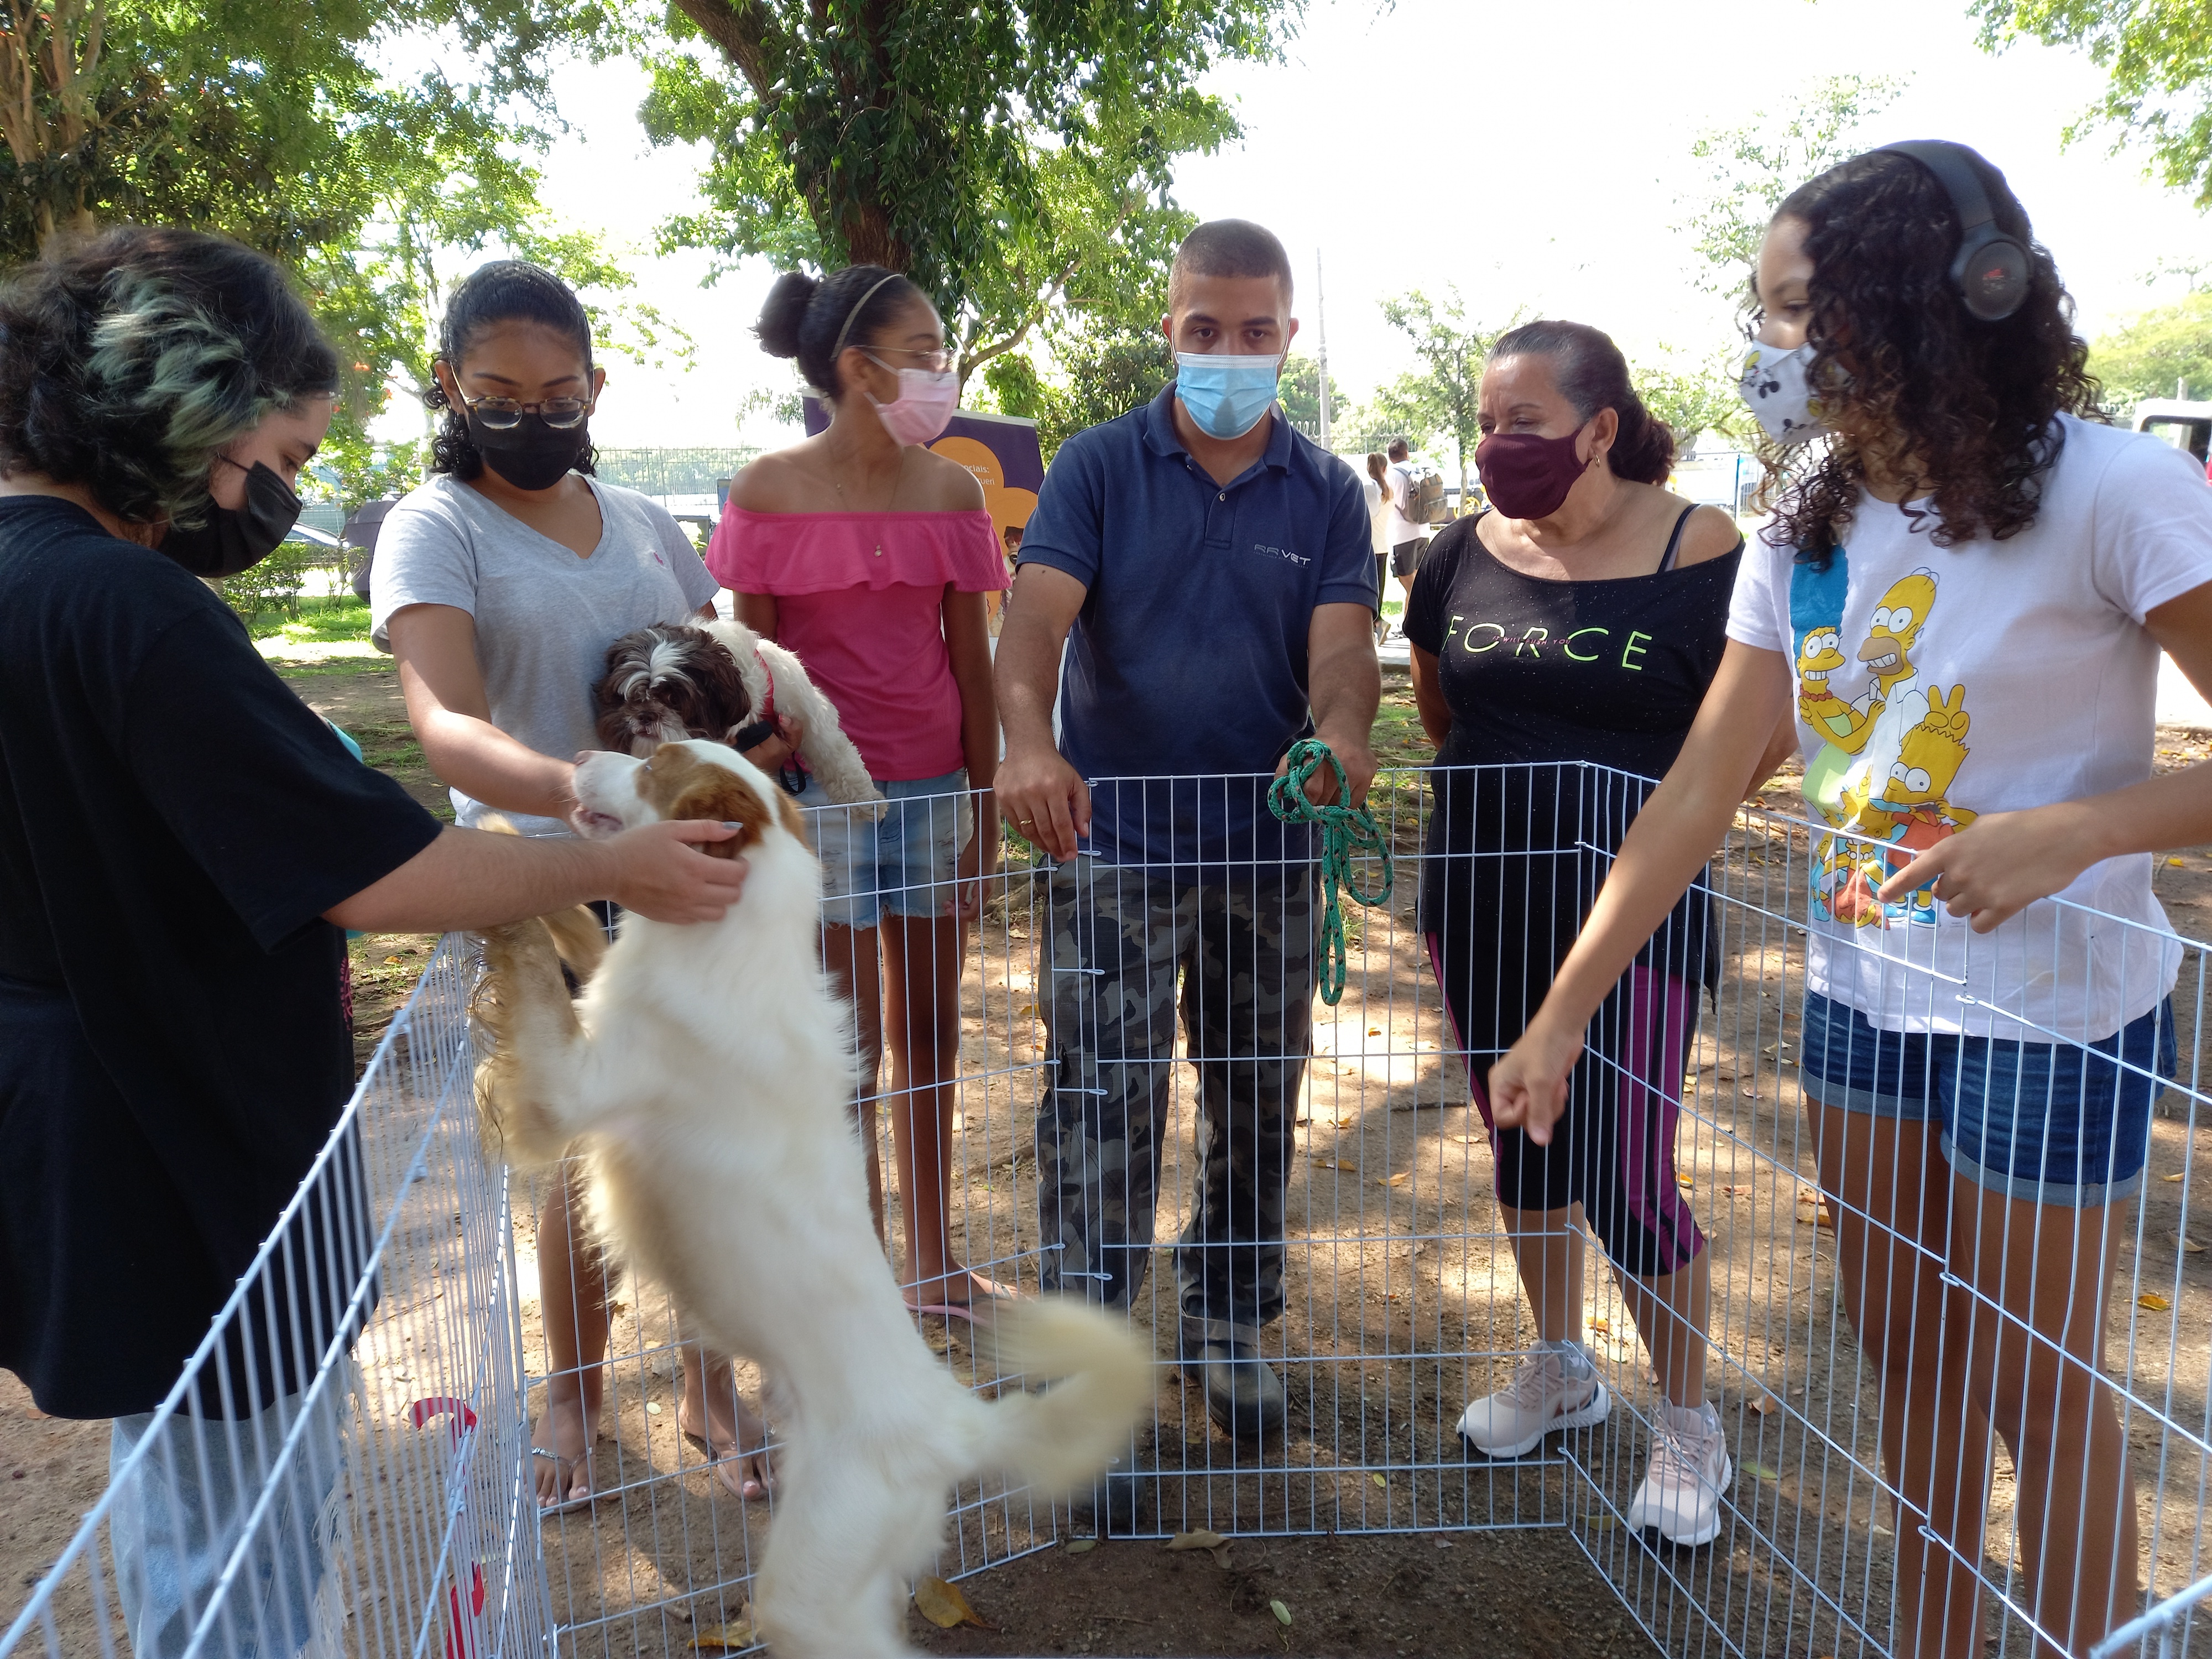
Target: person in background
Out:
[498,585]
[869,555]
[995,601]
[183,844]
[1582,544]
[1408,538]
[1196,554]
[1978,1061]
[1375,486]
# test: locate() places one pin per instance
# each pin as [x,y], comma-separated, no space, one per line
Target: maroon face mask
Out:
[1526,475]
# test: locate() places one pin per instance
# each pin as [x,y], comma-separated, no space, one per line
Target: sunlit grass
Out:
[322,621]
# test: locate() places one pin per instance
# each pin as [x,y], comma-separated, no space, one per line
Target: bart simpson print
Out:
[1895,799]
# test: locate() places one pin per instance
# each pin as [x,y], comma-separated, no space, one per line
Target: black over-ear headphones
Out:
[1990,270]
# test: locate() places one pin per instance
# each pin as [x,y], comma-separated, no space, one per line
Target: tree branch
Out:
[741,29]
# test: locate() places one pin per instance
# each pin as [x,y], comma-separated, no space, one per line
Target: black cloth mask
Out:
[530,454]
[235,538]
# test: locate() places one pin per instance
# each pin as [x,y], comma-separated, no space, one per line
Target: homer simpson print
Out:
[1888,758]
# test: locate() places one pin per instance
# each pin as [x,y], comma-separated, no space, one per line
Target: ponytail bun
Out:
[784,312]
[1643,452]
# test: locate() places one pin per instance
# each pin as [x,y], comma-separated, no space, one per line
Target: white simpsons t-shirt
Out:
[544,617]
[1935,685]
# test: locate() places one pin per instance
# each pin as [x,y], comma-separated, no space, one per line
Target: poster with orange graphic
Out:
[1000,450]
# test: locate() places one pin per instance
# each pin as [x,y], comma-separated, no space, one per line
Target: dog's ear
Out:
[687,787]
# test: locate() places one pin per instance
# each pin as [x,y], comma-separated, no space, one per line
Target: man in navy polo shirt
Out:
[1216,574]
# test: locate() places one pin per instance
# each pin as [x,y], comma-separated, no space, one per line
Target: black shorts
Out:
[1406,557]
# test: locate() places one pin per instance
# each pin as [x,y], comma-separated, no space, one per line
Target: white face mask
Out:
[924,406]
[1773,385]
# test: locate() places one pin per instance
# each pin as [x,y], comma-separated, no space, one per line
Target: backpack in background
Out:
[1425,495]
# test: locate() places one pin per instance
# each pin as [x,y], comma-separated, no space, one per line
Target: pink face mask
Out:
[1527,476]
[924,406]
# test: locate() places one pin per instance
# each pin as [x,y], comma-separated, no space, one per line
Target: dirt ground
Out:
[1407,1305]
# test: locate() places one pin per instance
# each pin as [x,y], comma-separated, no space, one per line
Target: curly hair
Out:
[1970,405]
[127,361]
[1591,374]
[504,291]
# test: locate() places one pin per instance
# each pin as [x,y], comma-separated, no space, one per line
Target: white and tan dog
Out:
[709,1070]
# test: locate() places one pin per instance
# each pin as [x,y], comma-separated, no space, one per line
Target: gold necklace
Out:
[897,479]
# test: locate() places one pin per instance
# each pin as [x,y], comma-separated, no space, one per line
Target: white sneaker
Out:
[1543,1395]
[1680,1496]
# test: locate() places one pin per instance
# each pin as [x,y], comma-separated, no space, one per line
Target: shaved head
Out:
[1229,247]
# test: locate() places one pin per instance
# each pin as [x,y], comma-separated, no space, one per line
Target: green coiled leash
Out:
[1345,831]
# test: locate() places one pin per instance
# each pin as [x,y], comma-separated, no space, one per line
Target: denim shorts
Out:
[901,863]
[2057,1122]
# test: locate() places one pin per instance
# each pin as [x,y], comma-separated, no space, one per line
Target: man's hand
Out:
[1042,797]
[660,871]
[1352,753]
[1998,866]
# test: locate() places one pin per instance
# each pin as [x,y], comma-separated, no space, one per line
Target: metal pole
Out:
[1321,327]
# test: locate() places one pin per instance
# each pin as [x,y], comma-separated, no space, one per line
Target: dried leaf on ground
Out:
[731,1637]
[1397,1180]
[1686,1182]
[1600,1324]
[1379,1480]
[2176,1175]
[1196,1540]
[1766,1405]
[1081,1546]
[1282,1614]
[944,1606]
[1334,1163]
[2190,1246]
[2154,1301]
[1760,1472]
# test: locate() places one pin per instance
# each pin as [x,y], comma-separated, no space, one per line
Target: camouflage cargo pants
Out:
[1116,941]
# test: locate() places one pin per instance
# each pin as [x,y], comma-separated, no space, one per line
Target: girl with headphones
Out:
[1963,592]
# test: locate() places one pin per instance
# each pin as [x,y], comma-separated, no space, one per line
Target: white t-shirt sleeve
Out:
[1758,610]
[424,556]
[2152,535]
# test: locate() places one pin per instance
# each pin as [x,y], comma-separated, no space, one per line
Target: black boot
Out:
[1243,1393]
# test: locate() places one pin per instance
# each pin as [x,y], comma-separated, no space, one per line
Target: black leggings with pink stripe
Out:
[1614,1150]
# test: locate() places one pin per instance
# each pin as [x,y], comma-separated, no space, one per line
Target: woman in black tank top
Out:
[1561,644]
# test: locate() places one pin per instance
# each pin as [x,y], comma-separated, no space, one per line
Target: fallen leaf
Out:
[725,1638]
[1378,1480]
[1733,1191]
[1282,1614]
[392,961]
[1081,1546]
[2176,863]
[1600,1324]
[1397,1180]
[1334,1163]
[1603,1523]
[944,1606]
[1196,1540]
[2154,1301]
[1759,1471]
[1685,1182]
[2190,1246]
[1220,1556]
[653,1408]
[1377,1030]
[2176,1175]
[1765,1403]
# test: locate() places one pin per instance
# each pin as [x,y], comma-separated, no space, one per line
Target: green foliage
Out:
[1441,396]
[1751,168]
[272,586]
[276,124]
[2159,55]
[1300,393]
[2145,357]
[1012,156]
[1110,369]
[1693,398]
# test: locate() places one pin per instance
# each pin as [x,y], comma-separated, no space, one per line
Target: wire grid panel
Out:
[1808,1558]
[343,1457]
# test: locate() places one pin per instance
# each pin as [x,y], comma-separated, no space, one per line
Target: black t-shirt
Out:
[1542,676]
[173,822]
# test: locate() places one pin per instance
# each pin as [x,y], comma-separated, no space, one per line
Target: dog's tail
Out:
[1096,1378]
[519,1008]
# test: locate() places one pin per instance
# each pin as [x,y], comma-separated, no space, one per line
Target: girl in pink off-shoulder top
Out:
[868,556]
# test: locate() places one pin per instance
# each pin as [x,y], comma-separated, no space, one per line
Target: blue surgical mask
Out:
[1226,396]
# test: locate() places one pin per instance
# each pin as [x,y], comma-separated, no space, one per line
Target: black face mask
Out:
[530,454]
[236,538]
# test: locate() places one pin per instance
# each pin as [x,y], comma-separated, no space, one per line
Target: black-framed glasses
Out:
[505,414]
